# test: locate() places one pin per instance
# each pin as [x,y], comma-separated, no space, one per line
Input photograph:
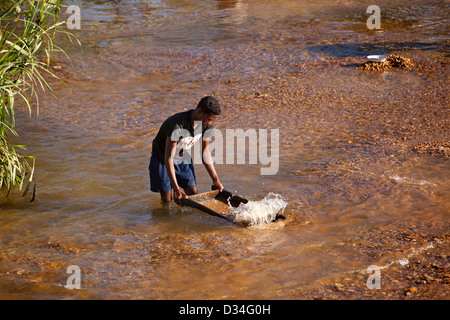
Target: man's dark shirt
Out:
[184,134]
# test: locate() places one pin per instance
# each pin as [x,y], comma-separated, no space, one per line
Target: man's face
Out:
[207,119]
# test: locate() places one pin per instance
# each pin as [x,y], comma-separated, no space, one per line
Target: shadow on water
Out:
[364,49]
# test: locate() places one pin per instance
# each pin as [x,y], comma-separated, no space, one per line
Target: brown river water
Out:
[357,192]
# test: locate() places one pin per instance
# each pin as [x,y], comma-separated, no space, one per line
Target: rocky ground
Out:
[423,276]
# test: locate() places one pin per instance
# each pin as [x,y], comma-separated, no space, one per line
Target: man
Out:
[171,166]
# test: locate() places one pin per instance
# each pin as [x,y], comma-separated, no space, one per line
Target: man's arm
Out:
[168,162]
[208,163]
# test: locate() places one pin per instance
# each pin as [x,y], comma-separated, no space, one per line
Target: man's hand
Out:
[177,195]
[217,184]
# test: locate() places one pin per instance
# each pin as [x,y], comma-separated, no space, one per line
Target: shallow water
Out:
[346,165]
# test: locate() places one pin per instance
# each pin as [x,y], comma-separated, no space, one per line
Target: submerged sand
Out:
[363,159]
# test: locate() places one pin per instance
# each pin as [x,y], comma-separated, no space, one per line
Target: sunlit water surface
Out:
[266,61]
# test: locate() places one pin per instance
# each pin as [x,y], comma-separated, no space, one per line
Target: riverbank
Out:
[415,274]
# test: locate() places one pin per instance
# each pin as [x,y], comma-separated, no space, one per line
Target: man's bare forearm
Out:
[208,163]
[168,162]
[211,171]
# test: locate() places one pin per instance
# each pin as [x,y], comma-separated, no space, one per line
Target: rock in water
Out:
[392,61]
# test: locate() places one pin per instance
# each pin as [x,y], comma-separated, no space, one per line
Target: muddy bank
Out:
[426,277]
[413,264]
[391,61]
[438,148]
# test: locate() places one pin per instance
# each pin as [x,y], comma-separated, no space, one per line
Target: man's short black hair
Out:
[209,105]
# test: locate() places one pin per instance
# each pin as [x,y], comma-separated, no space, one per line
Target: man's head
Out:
[209,110]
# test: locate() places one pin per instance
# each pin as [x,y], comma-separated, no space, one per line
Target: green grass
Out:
[27,29]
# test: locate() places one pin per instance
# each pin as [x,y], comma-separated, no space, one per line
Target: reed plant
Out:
[27,32]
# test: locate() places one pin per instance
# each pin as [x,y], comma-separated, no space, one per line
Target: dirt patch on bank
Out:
[438,148]
[397,62]
[392,61]
[412,265]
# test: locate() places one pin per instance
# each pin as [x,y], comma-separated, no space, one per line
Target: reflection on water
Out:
[346,165]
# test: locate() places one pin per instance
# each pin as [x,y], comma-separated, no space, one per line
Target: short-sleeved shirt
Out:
[179,128]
